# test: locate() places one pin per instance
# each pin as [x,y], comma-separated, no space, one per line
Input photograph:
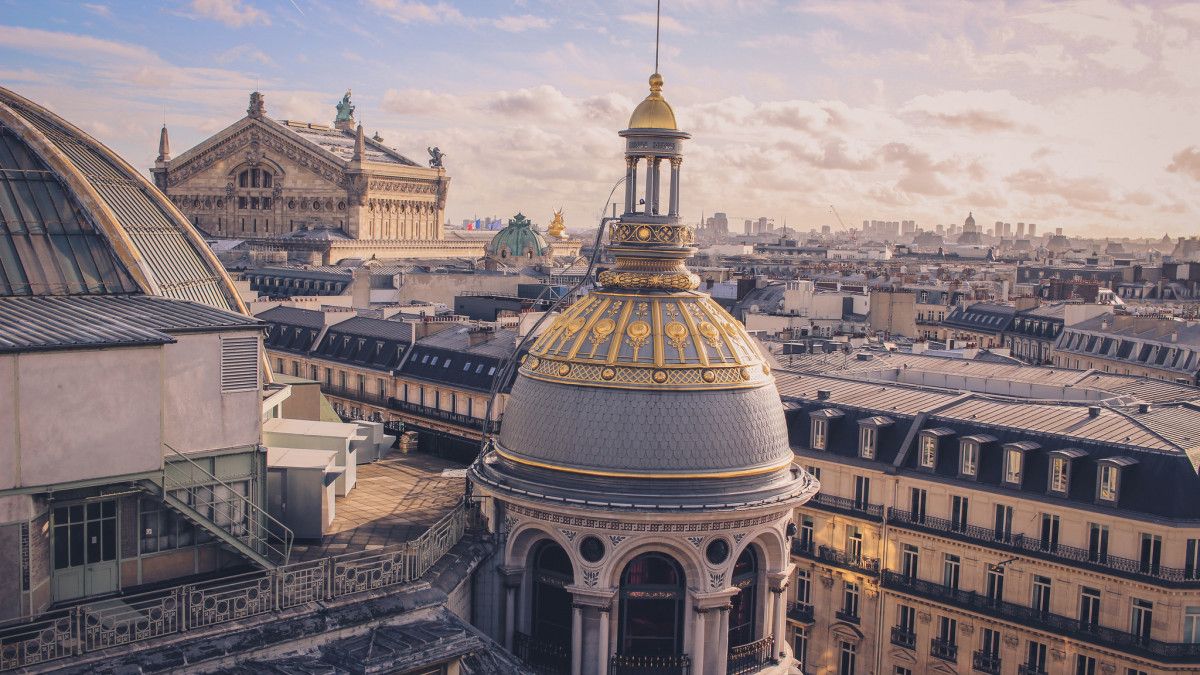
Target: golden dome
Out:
[654,112]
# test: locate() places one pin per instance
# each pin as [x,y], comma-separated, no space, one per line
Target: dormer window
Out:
[969,459]
[866,441]
[818,437]
[1014,461]
[1059,480]
[868,434]
[927,450]
[1012,466]
[1108,478]
[820,433]
[968,455]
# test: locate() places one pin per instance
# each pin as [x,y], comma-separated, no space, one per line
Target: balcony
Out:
[354,394]
[847,507]
[800,612]
[1030,669]
[843,615]
[623,664]
[1110,638]
[942,649]
[752,657]
[830,556]
[1034,547]
[904,637]
[543,657]
[473,423]
[986,662]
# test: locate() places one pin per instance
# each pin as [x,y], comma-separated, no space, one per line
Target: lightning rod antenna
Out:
[657,23]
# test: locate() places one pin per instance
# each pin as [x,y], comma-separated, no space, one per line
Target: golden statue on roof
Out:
[557,228]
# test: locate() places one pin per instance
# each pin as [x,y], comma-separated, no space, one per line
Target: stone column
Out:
[722,639]
[674,203]
[576,638]
[630,184]
[590,629]
[777,620]
[649,185]
[698,640]
[512,577]
[653,203]
[603,649]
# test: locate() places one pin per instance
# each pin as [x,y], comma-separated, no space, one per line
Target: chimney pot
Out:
[824,394]
[1093,411]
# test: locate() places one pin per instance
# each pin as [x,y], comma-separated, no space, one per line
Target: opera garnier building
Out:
[642,486]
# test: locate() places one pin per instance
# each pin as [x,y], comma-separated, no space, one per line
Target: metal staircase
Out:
[207,501]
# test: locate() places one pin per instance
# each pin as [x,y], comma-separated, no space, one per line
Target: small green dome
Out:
[518,239]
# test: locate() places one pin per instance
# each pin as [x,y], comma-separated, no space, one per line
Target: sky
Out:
[1081,115]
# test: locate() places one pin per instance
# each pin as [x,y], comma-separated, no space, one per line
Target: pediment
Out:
[253,140]
[902,655]
[847,632]
[939,666]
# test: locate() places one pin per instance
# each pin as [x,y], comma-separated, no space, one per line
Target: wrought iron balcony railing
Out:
[355,394]
[473,423]
[801,612]
[1030,669]
[625,664]
[751,657]
[1038,548]
[1053,623]
[843,615]
[943,649]
[544,657]
[844,505]
[986,662]
[93,626]
[904,637]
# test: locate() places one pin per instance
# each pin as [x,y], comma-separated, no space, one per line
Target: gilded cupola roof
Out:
[653,112]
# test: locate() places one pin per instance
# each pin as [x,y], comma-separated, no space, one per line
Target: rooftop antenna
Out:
[657,23]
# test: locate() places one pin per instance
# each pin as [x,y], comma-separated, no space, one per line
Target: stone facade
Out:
[264,178]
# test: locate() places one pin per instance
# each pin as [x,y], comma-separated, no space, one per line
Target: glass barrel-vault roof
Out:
[47,244]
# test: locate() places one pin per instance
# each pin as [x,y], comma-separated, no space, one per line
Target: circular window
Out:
[717,551]
[316,206]
[291,203]
[220,203]
[592,549]
[341,206]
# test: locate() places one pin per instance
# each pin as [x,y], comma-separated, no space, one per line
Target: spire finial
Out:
[360,145]
[657,22]
[164,144]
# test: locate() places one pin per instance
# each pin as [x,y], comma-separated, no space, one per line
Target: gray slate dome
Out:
[612,431]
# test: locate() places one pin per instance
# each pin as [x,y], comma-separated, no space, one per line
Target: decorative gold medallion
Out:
[660,376]
[708,331]
[564,369]
[574,325]
[608,374]
[638,330]
[766,369]
[533,363]
[643,233]
[745,373]
[708,376]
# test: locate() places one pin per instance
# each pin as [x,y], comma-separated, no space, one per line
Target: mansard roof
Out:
[341,143]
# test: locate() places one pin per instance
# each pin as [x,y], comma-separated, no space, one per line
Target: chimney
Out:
[1093,411]
[479,334]
[824,394]
[1143,408]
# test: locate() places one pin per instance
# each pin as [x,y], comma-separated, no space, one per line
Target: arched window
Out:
[652,599]
[742,614]
[551,617]
[256,182]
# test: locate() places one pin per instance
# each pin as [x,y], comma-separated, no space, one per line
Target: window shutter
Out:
[239,363]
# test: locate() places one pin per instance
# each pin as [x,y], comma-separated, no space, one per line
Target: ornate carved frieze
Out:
[254,142]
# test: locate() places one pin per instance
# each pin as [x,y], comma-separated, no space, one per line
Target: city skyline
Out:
[1068,115]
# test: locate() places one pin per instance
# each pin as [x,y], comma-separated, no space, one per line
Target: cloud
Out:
[1186,162]
[232,13]
[407,12]
[648,19]
[982,112]
[922,175]
[524,22]
[243,54]
[98,9]
[1090,193]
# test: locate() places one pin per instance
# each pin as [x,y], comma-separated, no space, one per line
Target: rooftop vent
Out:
[824,394]
[1093,411]
[1143,408]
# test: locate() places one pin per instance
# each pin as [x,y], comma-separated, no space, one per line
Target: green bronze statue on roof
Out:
[345,109]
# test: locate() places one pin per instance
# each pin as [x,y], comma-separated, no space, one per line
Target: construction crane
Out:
[838,216]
